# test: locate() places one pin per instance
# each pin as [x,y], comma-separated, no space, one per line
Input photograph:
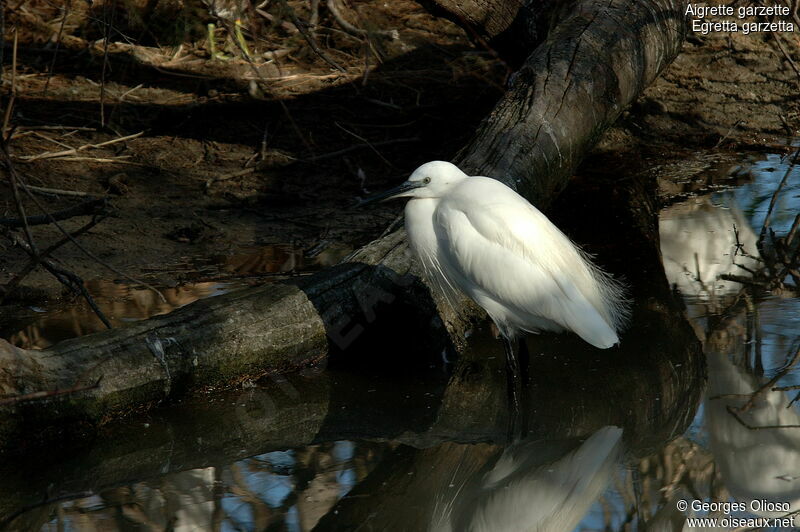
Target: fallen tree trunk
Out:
[569,90]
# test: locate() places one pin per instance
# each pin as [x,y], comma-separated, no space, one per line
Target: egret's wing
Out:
[516,264]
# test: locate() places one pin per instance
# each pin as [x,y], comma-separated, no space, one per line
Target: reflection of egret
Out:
[522,493]
[755,464]
[699,243]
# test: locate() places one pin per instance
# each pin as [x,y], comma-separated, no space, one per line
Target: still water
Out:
[616,441]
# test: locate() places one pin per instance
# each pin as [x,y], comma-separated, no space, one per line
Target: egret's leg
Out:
[514,386]
[524,360]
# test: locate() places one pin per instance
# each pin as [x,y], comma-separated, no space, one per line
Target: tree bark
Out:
[572,87]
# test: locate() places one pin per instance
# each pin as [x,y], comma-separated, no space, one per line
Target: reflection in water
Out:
[701,241]
[744,445]
[756,463]
[123,303]
[119,302]
[277,490]
[521,492]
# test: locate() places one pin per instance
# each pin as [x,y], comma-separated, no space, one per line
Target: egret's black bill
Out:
[389,194]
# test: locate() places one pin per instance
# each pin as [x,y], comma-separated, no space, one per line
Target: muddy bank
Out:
[216,170]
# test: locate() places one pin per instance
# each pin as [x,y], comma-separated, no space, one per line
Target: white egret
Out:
[478,236]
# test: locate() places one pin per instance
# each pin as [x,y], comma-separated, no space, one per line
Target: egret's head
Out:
[431,180]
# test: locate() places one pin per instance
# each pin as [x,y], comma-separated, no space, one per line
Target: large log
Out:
[572,87]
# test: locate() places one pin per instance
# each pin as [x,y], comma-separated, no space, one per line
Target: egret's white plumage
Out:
[477,235]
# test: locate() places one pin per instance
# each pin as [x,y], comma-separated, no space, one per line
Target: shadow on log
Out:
[573,86]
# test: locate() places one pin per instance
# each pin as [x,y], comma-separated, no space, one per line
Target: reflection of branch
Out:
[781,259]
[773,200]
[770,383]
[739,247]
[65,277]
[764,388]
[33,262]
[732,411]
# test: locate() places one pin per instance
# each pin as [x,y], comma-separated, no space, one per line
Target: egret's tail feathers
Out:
[581,314]
[595,331]
[610,297]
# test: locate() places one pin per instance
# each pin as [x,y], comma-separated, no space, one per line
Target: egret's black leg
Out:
[524,360]
[514,386]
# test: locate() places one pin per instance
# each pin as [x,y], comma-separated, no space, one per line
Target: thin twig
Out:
[744,423]
[365,141]
[336,11]
[65,277]
[33,262]
[58,192]
[74,151]
[12,173]
[770,383]
[358,147]
[786,55]
[12,98]
[92,206]
[106,41]
[89,253]
[67,5]
[12,178]
[309,38]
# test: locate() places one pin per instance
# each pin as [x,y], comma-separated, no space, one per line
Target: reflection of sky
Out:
[239,514]
[343,452]
[281,461]
[611,505]
[754,197]
[277,483]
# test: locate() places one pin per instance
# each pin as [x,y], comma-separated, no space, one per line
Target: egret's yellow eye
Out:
[426,180]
